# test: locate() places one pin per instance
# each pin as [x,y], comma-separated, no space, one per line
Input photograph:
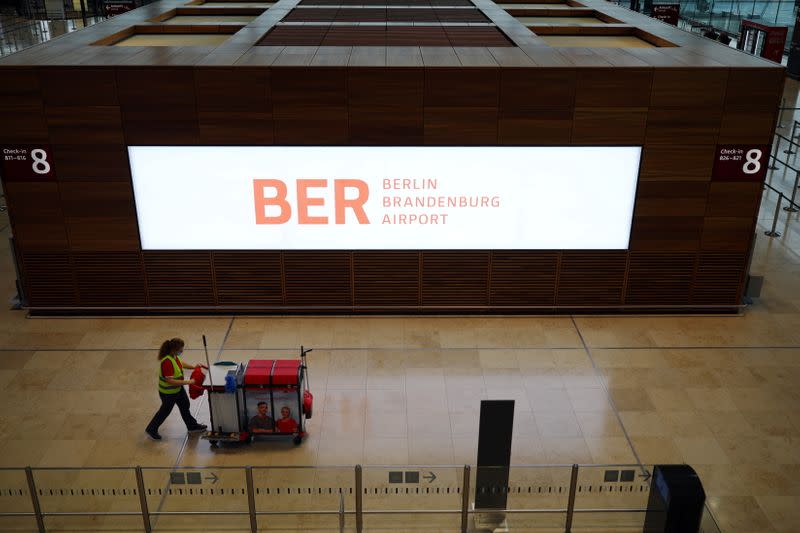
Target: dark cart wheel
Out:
[214,443]
[297,440]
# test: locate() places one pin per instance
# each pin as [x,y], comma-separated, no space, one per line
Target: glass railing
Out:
[232,498]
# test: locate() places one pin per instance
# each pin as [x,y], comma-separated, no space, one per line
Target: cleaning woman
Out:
[170,388]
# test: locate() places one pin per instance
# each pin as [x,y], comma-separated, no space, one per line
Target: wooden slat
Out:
[659,278]
[49,280]
[523,278]
[248,278]
[718,278]
[317,279]
[386,278]
[591,278]
[178,279]
[110,279]
[455,278]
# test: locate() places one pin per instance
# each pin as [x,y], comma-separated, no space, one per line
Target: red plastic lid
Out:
[258,371]
[285,372]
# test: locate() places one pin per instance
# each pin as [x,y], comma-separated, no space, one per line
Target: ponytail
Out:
[165,350]
[170,347]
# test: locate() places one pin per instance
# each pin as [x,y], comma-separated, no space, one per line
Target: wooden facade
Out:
[76,236]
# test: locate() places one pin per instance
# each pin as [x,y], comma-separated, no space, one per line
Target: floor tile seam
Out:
[198,407]
[669,347]
[598,374]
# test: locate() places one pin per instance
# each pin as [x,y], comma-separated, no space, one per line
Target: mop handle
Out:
[208,362]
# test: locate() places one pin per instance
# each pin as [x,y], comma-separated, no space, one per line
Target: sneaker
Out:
[197,428]
[153,434]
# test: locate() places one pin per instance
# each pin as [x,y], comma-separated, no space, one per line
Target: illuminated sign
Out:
[387,198]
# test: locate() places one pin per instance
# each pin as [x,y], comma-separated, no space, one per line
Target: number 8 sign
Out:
[27,162]
[735,162]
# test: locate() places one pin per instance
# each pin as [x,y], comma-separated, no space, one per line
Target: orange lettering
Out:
[304,202]
[279,200]
[356,204]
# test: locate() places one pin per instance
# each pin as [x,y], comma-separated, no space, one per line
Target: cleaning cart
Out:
[261,398]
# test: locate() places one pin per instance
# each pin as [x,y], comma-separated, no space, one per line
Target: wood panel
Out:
[677,162]
[49,280]
[591,278]
[732,199]
[385,106]
[179,279]
[84,87]
[317,279]
[524,88]
[386,278]
[728,233]
[523,278]
[682,126]
[310,106]
[20,87]
[234,106]
[666,233]
[462,88]
[746,126]
[455,278]
[110,279]
[460,126]
[754,89]
[248,278]
[718,278]
[609,125]
[93,125]
[671,198]
[535,126]
[99,215]
[36,216]
[107,162]
[689,88]
[158,106]
[22,124]
[659,278]
[599,87]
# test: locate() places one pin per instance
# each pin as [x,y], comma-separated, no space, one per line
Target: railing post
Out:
[789,150]
[341,513]
[780,114]
[465,500]
[37,510]
[772,232]
[143,500]
[573,487]
[772,165]
[791,207]
[251,499]
[359,500]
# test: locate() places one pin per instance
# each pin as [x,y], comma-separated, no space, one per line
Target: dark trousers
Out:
[168,401]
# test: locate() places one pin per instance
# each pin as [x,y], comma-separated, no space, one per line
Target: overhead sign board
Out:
[360,198]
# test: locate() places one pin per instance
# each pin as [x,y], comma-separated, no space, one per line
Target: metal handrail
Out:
[465,511]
